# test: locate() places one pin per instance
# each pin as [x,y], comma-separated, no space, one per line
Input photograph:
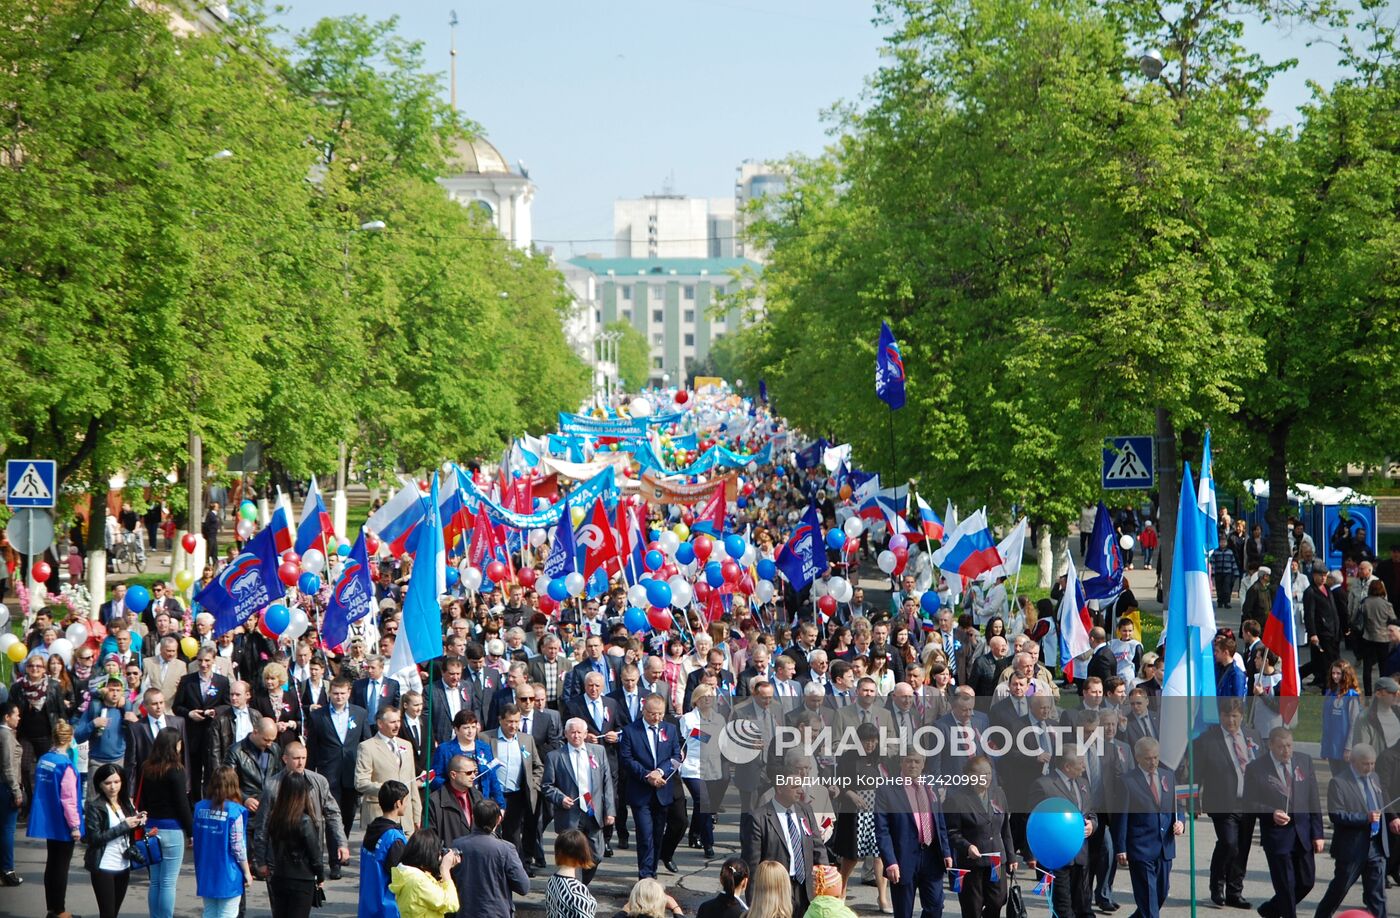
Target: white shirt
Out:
[242,724]
[114,852]
[454,699]
[578,758]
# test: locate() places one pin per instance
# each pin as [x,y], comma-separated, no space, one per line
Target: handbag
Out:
[145,852]
[318,897]
[1015,905]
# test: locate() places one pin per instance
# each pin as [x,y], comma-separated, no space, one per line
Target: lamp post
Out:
[340,505]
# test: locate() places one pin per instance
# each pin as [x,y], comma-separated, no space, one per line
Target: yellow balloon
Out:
[189,645]
[184,580]
[681,530]
[576,514]
[17,652]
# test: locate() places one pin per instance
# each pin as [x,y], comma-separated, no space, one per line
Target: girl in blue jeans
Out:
[163,792]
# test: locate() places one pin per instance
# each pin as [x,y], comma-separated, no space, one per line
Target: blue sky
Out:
[611,98]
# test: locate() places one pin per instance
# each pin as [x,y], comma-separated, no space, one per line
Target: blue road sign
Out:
[31,482]
[1127,463]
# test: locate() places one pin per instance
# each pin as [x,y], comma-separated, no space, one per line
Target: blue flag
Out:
[246,584]
[563,553]
[763,391]
[811,457]
[802,558]
[1104,559]
[420,630]
[889,369]
[353,596]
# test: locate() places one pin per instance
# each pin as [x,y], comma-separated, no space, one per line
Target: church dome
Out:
[476,157]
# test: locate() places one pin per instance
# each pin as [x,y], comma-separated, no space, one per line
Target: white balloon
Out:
[244,528]
[820,588]
[1126,542]
[314,561]
[835,586]
[4,615]
[675,511]
[669,542]
[298,625]
[886,561]
[749,557]
[471,579]
[847,591]
[575,584]
[8,640]
[537,537]
[763,590]
[637,596]
[681,592]
[77,633]
[853,527]
[64,648]
[641,408]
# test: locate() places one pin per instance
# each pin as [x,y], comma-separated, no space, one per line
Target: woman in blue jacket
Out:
[220,846]
[53,816]
[465,742]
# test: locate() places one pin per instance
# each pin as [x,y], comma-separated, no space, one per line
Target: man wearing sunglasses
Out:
[450,806]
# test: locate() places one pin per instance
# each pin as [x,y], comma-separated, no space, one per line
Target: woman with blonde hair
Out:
[770,892]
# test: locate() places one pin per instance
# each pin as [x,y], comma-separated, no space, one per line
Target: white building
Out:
[479,177]
[673,226]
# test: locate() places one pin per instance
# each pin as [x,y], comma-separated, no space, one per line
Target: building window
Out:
[689,316]
[658,294]
[690,292]
[689,340]
[656,363]
[598,316]
[656,338]
[627,293]
[627,314]
[658,316]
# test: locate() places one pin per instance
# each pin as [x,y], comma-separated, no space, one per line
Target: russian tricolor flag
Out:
[281,527]
[395,522]
[1075,623]
[1281,637]
[314,529]
[929,523]
[970,551]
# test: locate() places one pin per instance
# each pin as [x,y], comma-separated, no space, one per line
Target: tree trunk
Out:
[97,536]
[1169,490]
[1046,558]
[1276,511]
[1060,552]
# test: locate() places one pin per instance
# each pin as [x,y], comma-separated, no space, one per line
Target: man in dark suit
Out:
[649,752]
[542,725]
[913,840]
[517,678]
[479,680]
[1071,889]
[1141,719]
[1361,832]
[550,669]
[962,728]
[1323,626]
[1102,663]
[449,695]
[333,735]
[451,806]
[813,702]
[1145,828]
[805,641]
[114,609]
[1282,788]
[209,528]
[197,700]
[594,661]
[1223,756]
[520,767]
[605,720]
[414,728]
[782,830]
[372,691]
[141,731]
[580,789]
[629,694]
[490,873]
[724,680]
[1113,765]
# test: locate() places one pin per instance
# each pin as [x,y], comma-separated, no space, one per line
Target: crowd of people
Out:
[258,754]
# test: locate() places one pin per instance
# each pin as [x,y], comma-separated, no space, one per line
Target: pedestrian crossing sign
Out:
[1127,463]
[30,482]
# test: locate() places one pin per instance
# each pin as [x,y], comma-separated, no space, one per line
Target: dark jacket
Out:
[96,833]
[244,757]
[1264,794]
[167,797]
[722,906]
[1320,617]
[300,855]
[445,814]
[492,871]
[970,823]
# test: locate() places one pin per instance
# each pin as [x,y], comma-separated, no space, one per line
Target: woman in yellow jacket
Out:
[422,881]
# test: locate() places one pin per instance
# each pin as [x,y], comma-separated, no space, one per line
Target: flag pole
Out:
[1191,760]
[427,779]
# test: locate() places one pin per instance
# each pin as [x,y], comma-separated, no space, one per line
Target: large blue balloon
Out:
[636,620]
[836,539]
[557,590]
[453,575]
[685,553]
[735,546]
[653,560]
[1055,832]
[659,594]
[741,502]
[277,617]
[767,570]
[714,574]
[930,602]
[138,598]
[309,583]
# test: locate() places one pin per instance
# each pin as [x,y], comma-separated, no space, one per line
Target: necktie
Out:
[1240,755]
[1371,805]
[372,698]
[597,713]
[921,817]
[864,715]
[525,725]
[1147,728]
[1156,788]
[656,746]
[799,869]
[1287,776]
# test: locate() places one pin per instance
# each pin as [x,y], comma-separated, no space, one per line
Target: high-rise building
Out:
[673,226]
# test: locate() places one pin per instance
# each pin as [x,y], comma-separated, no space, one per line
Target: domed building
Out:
[479,177]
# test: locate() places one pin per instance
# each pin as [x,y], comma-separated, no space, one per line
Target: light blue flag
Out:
[420,633]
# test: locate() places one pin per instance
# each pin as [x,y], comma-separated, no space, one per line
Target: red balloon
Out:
[660,618]
[497,571]
[371,544]
[654,546]
[703,545]
[527,576]
[291,557]
[264,630]
[668,570]
[189,543]
[900,553]
[687,517]
[42,571]
[288,572]
[851,546]
[702,590]
[547,604]
[731,571]
[827,604]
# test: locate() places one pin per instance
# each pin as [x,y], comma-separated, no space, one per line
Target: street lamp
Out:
[221,156]
[373,226]
[1151,63]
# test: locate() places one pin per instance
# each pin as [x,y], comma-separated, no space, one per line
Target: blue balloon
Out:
[836,539]
[930,601]
[309,583]
[659,594]
[557,590]
[1055,831]
[781,472]
[714,574]
[343,549]
[653,560]
[767,570]
[453,575]
[685,553]
[734,546]
[636,620]
[138,598]
[277,617]
[741,502]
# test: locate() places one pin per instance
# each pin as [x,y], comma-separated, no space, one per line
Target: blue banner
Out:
[353,596]
[246,584]
[603,485]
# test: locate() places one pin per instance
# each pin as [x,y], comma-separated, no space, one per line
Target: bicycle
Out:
[127,551]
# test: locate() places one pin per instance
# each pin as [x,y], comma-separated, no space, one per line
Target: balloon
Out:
[659,593]
[343,549]
[557,589]
[763,590]
[277,617]
[685,553]
[682,531]
[682,398]
[635,620]
[527,576]
[660,619]
[741,503]
[77,634]
[248,510]
[189,542]
[703,546]
[653,560]
[845,492]
[714,574]
[244,530]
[898,541]
[731,572]
[834,587]
[681,592]
[41,571]
[497,572]
[767,569]
[575,583]
[835,539]
[1055,831]
[853,527]
[290,556]
[287,572]
[452,575]
[4,619]
[184,580]
[851,547]
[190,646]
[471,579]
[8,640]
[886,561]
[702,591]
[138,598]
[537,537]
[17,652]
[827,604]
[298,625]
[780,472]
[640,407]
[930,602]
[371,545]
[576,514]
[314,560]
[1126,542]
[734,545]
